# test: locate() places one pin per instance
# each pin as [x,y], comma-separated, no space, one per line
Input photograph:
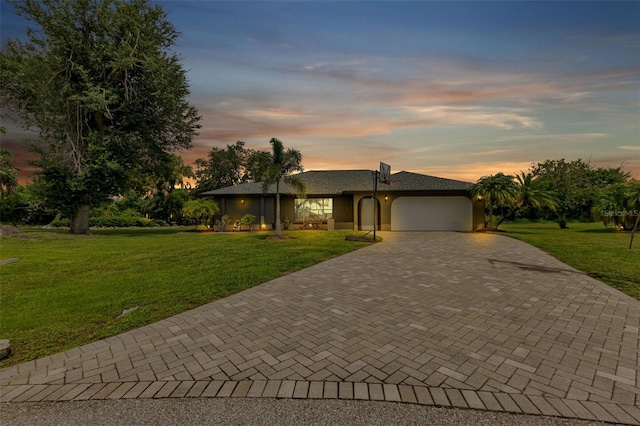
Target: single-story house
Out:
[342,199]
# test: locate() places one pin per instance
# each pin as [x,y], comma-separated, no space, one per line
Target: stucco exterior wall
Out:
[478,215]
[263,208]
[343,209]
[347,209]
[237,207]
[287,209]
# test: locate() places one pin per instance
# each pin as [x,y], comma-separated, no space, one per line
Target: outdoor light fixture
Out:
[386,198]
[242,201]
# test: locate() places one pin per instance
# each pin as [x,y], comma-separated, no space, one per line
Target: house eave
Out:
[345,182]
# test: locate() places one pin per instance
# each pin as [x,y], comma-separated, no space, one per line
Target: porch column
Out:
[356,212]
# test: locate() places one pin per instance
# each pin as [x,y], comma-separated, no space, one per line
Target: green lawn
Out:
[68,290]
[602,253]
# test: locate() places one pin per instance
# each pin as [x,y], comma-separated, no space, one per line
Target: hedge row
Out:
[112,222]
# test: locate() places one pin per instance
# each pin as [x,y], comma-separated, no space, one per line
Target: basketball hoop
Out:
[385,173]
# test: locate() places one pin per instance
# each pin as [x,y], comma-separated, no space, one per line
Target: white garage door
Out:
[432,214]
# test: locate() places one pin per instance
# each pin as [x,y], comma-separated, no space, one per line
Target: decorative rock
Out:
[5,349]
[126,311]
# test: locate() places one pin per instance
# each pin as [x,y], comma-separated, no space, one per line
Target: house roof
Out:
[335,182]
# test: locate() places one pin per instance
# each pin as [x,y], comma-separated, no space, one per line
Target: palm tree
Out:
[620,203]
[498,190]
[282,167]
[200,210]
[530,191]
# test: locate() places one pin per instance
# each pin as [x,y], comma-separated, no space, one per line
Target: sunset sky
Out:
[451,89]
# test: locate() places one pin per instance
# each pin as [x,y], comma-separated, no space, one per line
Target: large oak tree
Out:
[99,82]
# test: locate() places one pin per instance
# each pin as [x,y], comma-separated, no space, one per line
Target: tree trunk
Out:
[562,221]
[80,220]
[490,226]
[57,217]
[511,213]
[278,224]
[633,231]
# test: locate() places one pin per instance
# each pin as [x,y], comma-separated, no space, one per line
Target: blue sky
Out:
[452,89]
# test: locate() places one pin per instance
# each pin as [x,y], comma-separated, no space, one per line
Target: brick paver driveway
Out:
[466,320]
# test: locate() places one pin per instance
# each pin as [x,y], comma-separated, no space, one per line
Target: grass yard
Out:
[603,253]
[69,290]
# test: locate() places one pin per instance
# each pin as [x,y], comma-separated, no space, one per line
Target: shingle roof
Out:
[333,182]
[408,181]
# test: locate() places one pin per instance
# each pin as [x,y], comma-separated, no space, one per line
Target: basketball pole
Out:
[376,175]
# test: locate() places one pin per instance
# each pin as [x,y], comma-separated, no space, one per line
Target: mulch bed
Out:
[6,230]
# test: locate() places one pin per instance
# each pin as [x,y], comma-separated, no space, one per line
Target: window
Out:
[313,209]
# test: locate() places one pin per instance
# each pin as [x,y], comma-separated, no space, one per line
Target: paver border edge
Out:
[304,389]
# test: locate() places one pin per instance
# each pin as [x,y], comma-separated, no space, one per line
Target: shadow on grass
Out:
[602,231]
[518,232]
[34,230]
[272,237]
[139,232]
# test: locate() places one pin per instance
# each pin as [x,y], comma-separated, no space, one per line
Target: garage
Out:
[435,213]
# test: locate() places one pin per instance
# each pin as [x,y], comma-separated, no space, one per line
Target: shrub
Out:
[129,213]
[60,223]
[107,209]
[120,222]
[249,220]
[112,222]
[200,211]
[223,222]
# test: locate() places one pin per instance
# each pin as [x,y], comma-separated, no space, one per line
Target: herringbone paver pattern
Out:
[466,320]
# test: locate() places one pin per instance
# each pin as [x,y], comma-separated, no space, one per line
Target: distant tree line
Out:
[159,198]
[561,191]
